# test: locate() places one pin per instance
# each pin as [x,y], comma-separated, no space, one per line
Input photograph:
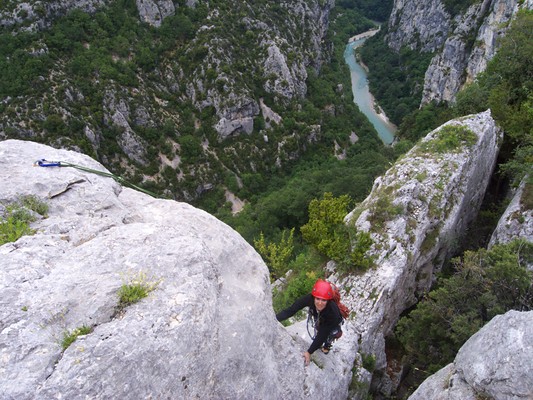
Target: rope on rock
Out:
[311,324]
[119,179]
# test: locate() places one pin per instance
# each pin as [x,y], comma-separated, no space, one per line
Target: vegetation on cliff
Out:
[479,283]
[485,283]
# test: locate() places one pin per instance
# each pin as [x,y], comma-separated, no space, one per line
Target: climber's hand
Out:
[307,358]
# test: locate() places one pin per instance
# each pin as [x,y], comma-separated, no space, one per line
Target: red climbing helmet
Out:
[322,290]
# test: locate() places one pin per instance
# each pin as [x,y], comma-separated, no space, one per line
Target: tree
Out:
[190,148]
[486,283]
[509,82]
[328,233]
[325,218]
[54,124]
[145,58]
[277,255]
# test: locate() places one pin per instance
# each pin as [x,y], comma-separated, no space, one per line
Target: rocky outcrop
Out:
[486,44]
[418,25]
[153,12]
[288,82]
[238,118]
[40,14]
[463,43]
[494,363]
[270,117]
[414,214]
[207,329]
[467,49]
[517,220]
[117,114]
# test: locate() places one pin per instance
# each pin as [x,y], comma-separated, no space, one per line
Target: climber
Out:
[325,312]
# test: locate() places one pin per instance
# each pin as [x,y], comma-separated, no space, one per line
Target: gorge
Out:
[209,311]
[224,100]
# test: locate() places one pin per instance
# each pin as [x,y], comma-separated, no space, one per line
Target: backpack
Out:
[345,311]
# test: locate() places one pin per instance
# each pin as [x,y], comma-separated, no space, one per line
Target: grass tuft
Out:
[449,139]
[70,337]
[137,289]
[17,216]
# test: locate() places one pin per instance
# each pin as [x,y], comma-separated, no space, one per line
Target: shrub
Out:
[359,260]
[328,233]
[277,255]
[13,229]
[384,210]
[35,204]
[368,361]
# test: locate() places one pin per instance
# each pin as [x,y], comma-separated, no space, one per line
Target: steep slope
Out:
[414,214]
[207,329]
[463,36]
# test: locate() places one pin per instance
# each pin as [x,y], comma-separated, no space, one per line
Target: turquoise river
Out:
[362,96]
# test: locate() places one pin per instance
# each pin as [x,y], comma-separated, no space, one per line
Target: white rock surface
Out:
[435,196]
[154,11]
[207,331]
[516,221]
[494,363]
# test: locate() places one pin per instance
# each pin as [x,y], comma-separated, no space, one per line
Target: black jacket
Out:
[329,319]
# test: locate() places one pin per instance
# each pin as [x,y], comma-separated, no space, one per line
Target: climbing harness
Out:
[45,163]
[312,324]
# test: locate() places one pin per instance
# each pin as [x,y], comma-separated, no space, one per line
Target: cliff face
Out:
[517,220]
[418,25]
[207,329]
[467,49]
[414,214]
[463,43]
